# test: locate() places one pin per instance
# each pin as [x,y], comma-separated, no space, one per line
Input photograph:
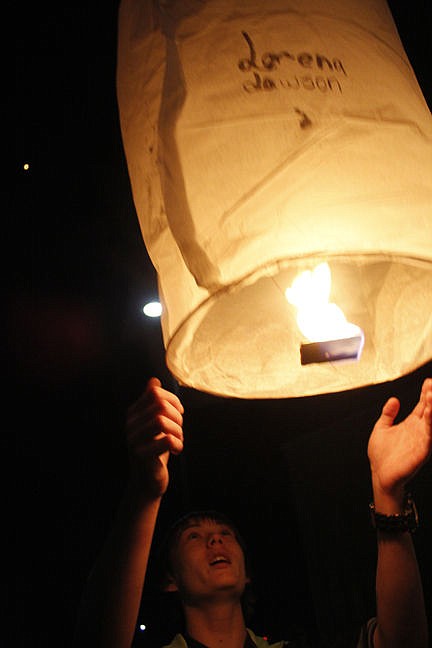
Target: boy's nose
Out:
[215,538]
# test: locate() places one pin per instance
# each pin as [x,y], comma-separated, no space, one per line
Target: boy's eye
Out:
[192,535]
[226,532]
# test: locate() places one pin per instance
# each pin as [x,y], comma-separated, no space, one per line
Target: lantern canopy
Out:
[266,139]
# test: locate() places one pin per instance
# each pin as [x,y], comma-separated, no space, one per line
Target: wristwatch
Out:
[397,523]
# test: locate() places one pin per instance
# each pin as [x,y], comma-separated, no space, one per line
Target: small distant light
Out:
[142,627]
[26,166]
[152,309]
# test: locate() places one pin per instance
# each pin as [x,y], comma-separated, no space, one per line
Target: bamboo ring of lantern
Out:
[264,139]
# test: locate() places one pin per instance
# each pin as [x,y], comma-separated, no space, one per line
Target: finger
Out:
[149,420]
[165,443]
[154,392]
[170,411]
[171,398]
[139,431]
[152,402]
[426,392]
[427,389]
[389,412]
[147,413]
[153,382]
[424,400]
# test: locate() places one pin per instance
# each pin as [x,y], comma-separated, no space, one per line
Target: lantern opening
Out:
[259,356]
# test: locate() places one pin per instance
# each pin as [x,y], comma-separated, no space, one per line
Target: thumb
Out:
[154,382]
[389,412]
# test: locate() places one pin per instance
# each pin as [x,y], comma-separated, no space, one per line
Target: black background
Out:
[293,472]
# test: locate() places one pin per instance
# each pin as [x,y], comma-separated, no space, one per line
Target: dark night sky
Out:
[81,351]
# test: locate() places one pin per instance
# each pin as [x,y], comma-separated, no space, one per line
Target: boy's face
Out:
[208,561]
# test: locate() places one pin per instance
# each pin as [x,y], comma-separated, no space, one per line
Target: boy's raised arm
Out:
[111,600]
[396,453]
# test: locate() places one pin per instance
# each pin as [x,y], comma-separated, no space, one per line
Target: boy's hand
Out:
[397,452]
[154,430]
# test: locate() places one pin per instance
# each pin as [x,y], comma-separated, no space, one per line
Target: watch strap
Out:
[398,522]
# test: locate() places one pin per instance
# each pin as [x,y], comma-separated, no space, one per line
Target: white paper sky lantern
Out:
[264,139]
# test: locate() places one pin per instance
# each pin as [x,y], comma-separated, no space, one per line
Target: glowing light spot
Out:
[317,318]
[26,166]
[152,309]
[142,627]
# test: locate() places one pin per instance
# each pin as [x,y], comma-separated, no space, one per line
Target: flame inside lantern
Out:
[317,318]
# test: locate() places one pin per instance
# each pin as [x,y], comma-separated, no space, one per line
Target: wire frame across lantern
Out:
[265,140]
